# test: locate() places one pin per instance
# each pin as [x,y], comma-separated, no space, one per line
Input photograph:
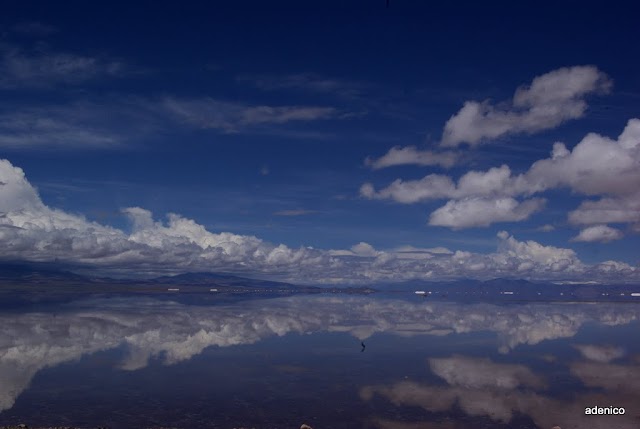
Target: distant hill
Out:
[19,274]
[223,280]
[36,273]
[47,279]
[516,290]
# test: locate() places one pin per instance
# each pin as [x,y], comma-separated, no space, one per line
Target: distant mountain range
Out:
[47,279]
[34,274]
[518,289]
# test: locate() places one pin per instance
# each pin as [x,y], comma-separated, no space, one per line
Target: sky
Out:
[322,142]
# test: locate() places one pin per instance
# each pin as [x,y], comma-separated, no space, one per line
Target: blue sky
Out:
[385,139]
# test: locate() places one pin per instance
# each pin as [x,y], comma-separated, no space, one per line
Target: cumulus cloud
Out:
[596,166]
[410,155]
[531,252]
[364,249]
[17,193]
[475,212]
[550,100]
[30,230]
[600,233]
[623,209]
[56,127]
[33,231]
[233,117]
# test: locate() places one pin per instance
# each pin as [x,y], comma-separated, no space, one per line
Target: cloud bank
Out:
[33,231]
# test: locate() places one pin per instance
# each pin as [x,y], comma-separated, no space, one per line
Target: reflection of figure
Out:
[363,346]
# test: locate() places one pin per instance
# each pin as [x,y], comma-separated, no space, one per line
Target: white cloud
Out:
[479,211]
[549,100]
[625,209]
[494,182]
[410,155]
[17,193]
[30,230]
[364,249]
[597,165]
[550,257]
[600,233]
[433,186]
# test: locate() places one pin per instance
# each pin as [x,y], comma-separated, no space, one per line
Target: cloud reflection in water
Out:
[175,332]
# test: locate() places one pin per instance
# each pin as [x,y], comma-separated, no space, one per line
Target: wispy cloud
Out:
[234,117]
[296,212]
[33,29]
[410,155]
[40,68]
[107,124]
[117,122]
[306,82]
[546,228]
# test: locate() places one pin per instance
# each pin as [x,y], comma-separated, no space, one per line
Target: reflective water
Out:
[278,363]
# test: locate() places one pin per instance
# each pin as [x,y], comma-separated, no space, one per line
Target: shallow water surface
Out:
[278,363]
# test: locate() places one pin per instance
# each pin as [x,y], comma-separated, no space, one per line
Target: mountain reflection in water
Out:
[142,362]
